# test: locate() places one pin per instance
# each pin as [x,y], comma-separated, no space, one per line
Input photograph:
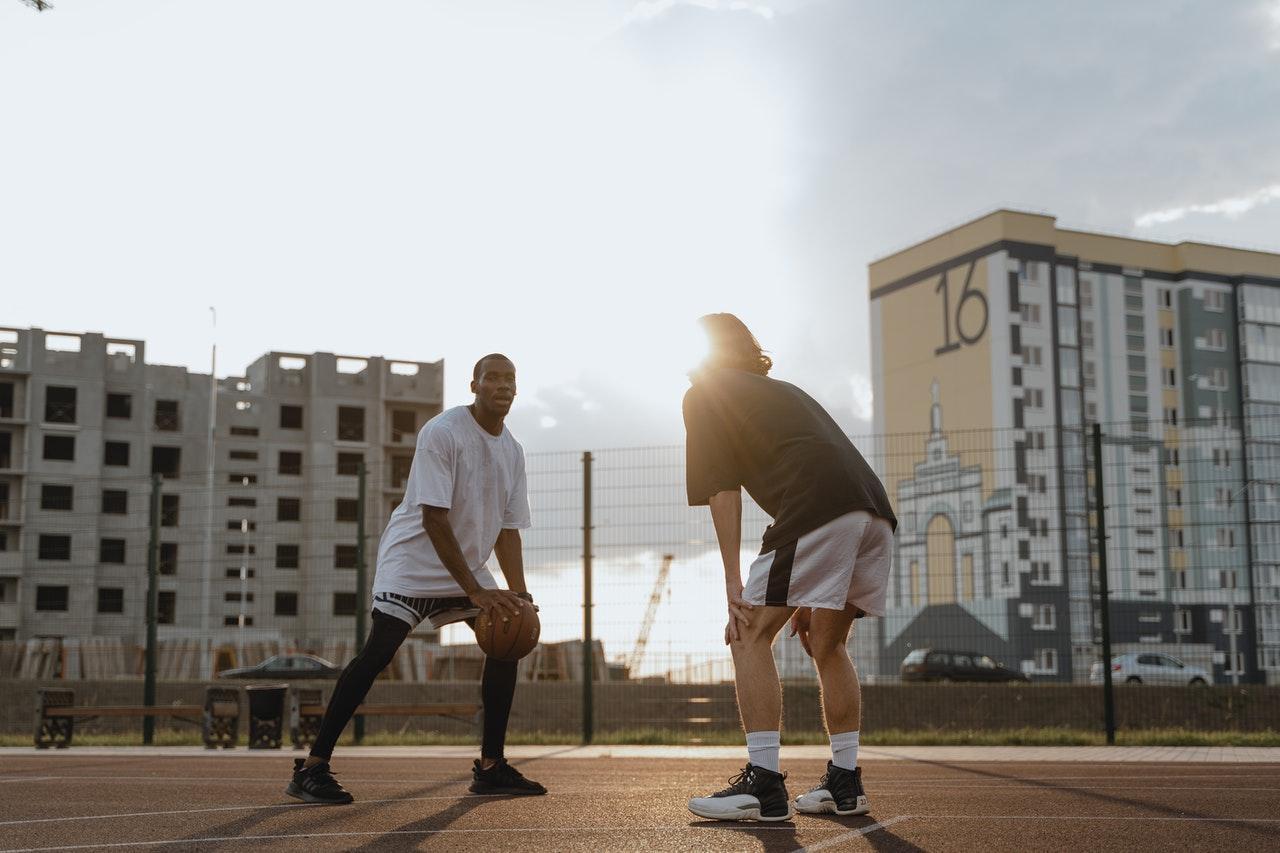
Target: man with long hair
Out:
[824,560]
[466,497]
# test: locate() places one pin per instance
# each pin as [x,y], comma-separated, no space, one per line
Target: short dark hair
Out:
[475,371]
[733,345]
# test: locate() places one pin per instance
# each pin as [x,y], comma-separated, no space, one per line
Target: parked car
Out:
[286,666]
[943,665]
[1151,668]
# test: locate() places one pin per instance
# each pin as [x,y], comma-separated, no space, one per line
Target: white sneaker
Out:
[839,792]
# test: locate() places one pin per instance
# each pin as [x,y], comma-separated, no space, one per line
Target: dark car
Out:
[940,665]
[286,666]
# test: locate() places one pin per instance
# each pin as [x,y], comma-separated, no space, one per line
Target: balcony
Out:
[8,614]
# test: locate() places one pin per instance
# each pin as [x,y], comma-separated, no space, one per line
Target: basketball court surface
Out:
[633,798]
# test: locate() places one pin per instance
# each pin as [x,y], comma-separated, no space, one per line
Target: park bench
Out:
[56,715]
[307,708]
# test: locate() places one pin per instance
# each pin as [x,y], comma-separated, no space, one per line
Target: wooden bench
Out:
[307,709]
[56,713]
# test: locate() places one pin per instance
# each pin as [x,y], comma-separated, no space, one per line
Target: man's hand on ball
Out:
[500,604]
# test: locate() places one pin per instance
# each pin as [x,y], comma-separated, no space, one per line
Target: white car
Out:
[1151,668]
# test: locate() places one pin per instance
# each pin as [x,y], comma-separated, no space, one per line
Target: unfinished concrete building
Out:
[260,547]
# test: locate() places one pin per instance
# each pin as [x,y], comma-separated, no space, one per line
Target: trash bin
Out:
[266,715]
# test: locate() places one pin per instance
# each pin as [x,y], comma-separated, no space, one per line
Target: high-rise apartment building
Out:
[263,545]
[996,346]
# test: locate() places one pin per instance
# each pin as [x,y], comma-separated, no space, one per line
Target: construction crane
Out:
[655,598]
[39,5]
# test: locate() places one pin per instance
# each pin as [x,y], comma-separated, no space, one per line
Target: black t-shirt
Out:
[774,440]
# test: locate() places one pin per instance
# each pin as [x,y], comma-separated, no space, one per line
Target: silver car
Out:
[1151,668]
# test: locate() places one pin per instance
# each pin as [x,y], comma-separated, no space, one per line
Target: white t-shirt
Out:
[480,479]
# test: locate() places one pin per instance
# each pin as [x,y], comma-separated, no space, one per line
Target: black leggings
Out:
[497,688]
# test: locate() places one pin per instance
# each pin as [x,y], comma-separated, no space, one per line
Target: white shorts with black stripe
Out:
[845,561]
[440,611]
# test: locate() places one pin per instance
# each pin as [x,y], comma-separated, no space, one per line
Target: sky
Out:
[573,182]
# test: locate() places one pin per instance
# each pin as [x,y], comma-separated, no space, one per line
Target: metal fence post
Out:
[152,609]
[588,664]
[1108,697]
[360,577]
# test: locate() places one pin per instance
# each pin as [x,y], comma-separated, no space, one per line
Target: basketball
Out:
[509,640]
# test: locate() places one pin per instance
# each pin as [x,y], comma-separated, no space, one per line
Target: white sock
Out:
[844,750]
[763,749]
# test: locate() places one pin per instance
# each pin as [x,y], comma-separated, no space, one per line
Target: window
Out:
[115,502]
[1170,375]
[1041,575]
[290,417]
[167,462]
[116,453]
[1047,661]
[60,447]
[404,424]
[350,423]
[349,464]
[1046,618]
[1030,313]
[1170,417]
[169,510]
[287,604]
[242,479]
[244,431]
[51,547]
[1171,456]
[1032,356]
[111,551]
[1215,300]
[6,399]
[235,596]
[59,405]
[1164,297]
[166,607]
[235,620]
[1226,537]
[110,599]
[1235,664]
[242,502]
[346,509]
[120,406]
[1216,339]
[1181,621]
[288,509]
[1221,457]
[344,556]
[249,455]
[55,497]
[1174,496]
[167,416]
[1166,338]
[1177,538]
[52,598]
[1005,578]
[290,463]
[1227,578]
[235,572]
[344,604]
[243,525]
[241,548]
[1034,398]
[400,466]
[168,558]
[1223,496]
[1235,622]
[286,556]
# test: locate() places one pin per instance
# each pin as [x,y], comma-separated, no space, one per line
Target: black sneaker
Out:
[317,785]
[839,792]
[754,794]
[502,778]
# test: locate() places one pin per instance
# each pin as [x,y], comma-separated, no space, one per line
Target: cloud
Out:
[1229,207]
[650,10]
[1273,14]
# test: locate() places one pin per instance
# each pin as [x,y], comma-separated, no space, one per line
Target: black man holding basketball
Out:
[466,498]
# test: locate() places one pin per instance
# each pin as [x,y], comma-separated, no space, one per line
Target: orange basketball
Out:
[511,639]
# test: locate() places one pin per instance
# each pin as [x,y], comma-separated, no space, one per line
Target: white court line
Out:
[588,830]
[849,836]
[26,821]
